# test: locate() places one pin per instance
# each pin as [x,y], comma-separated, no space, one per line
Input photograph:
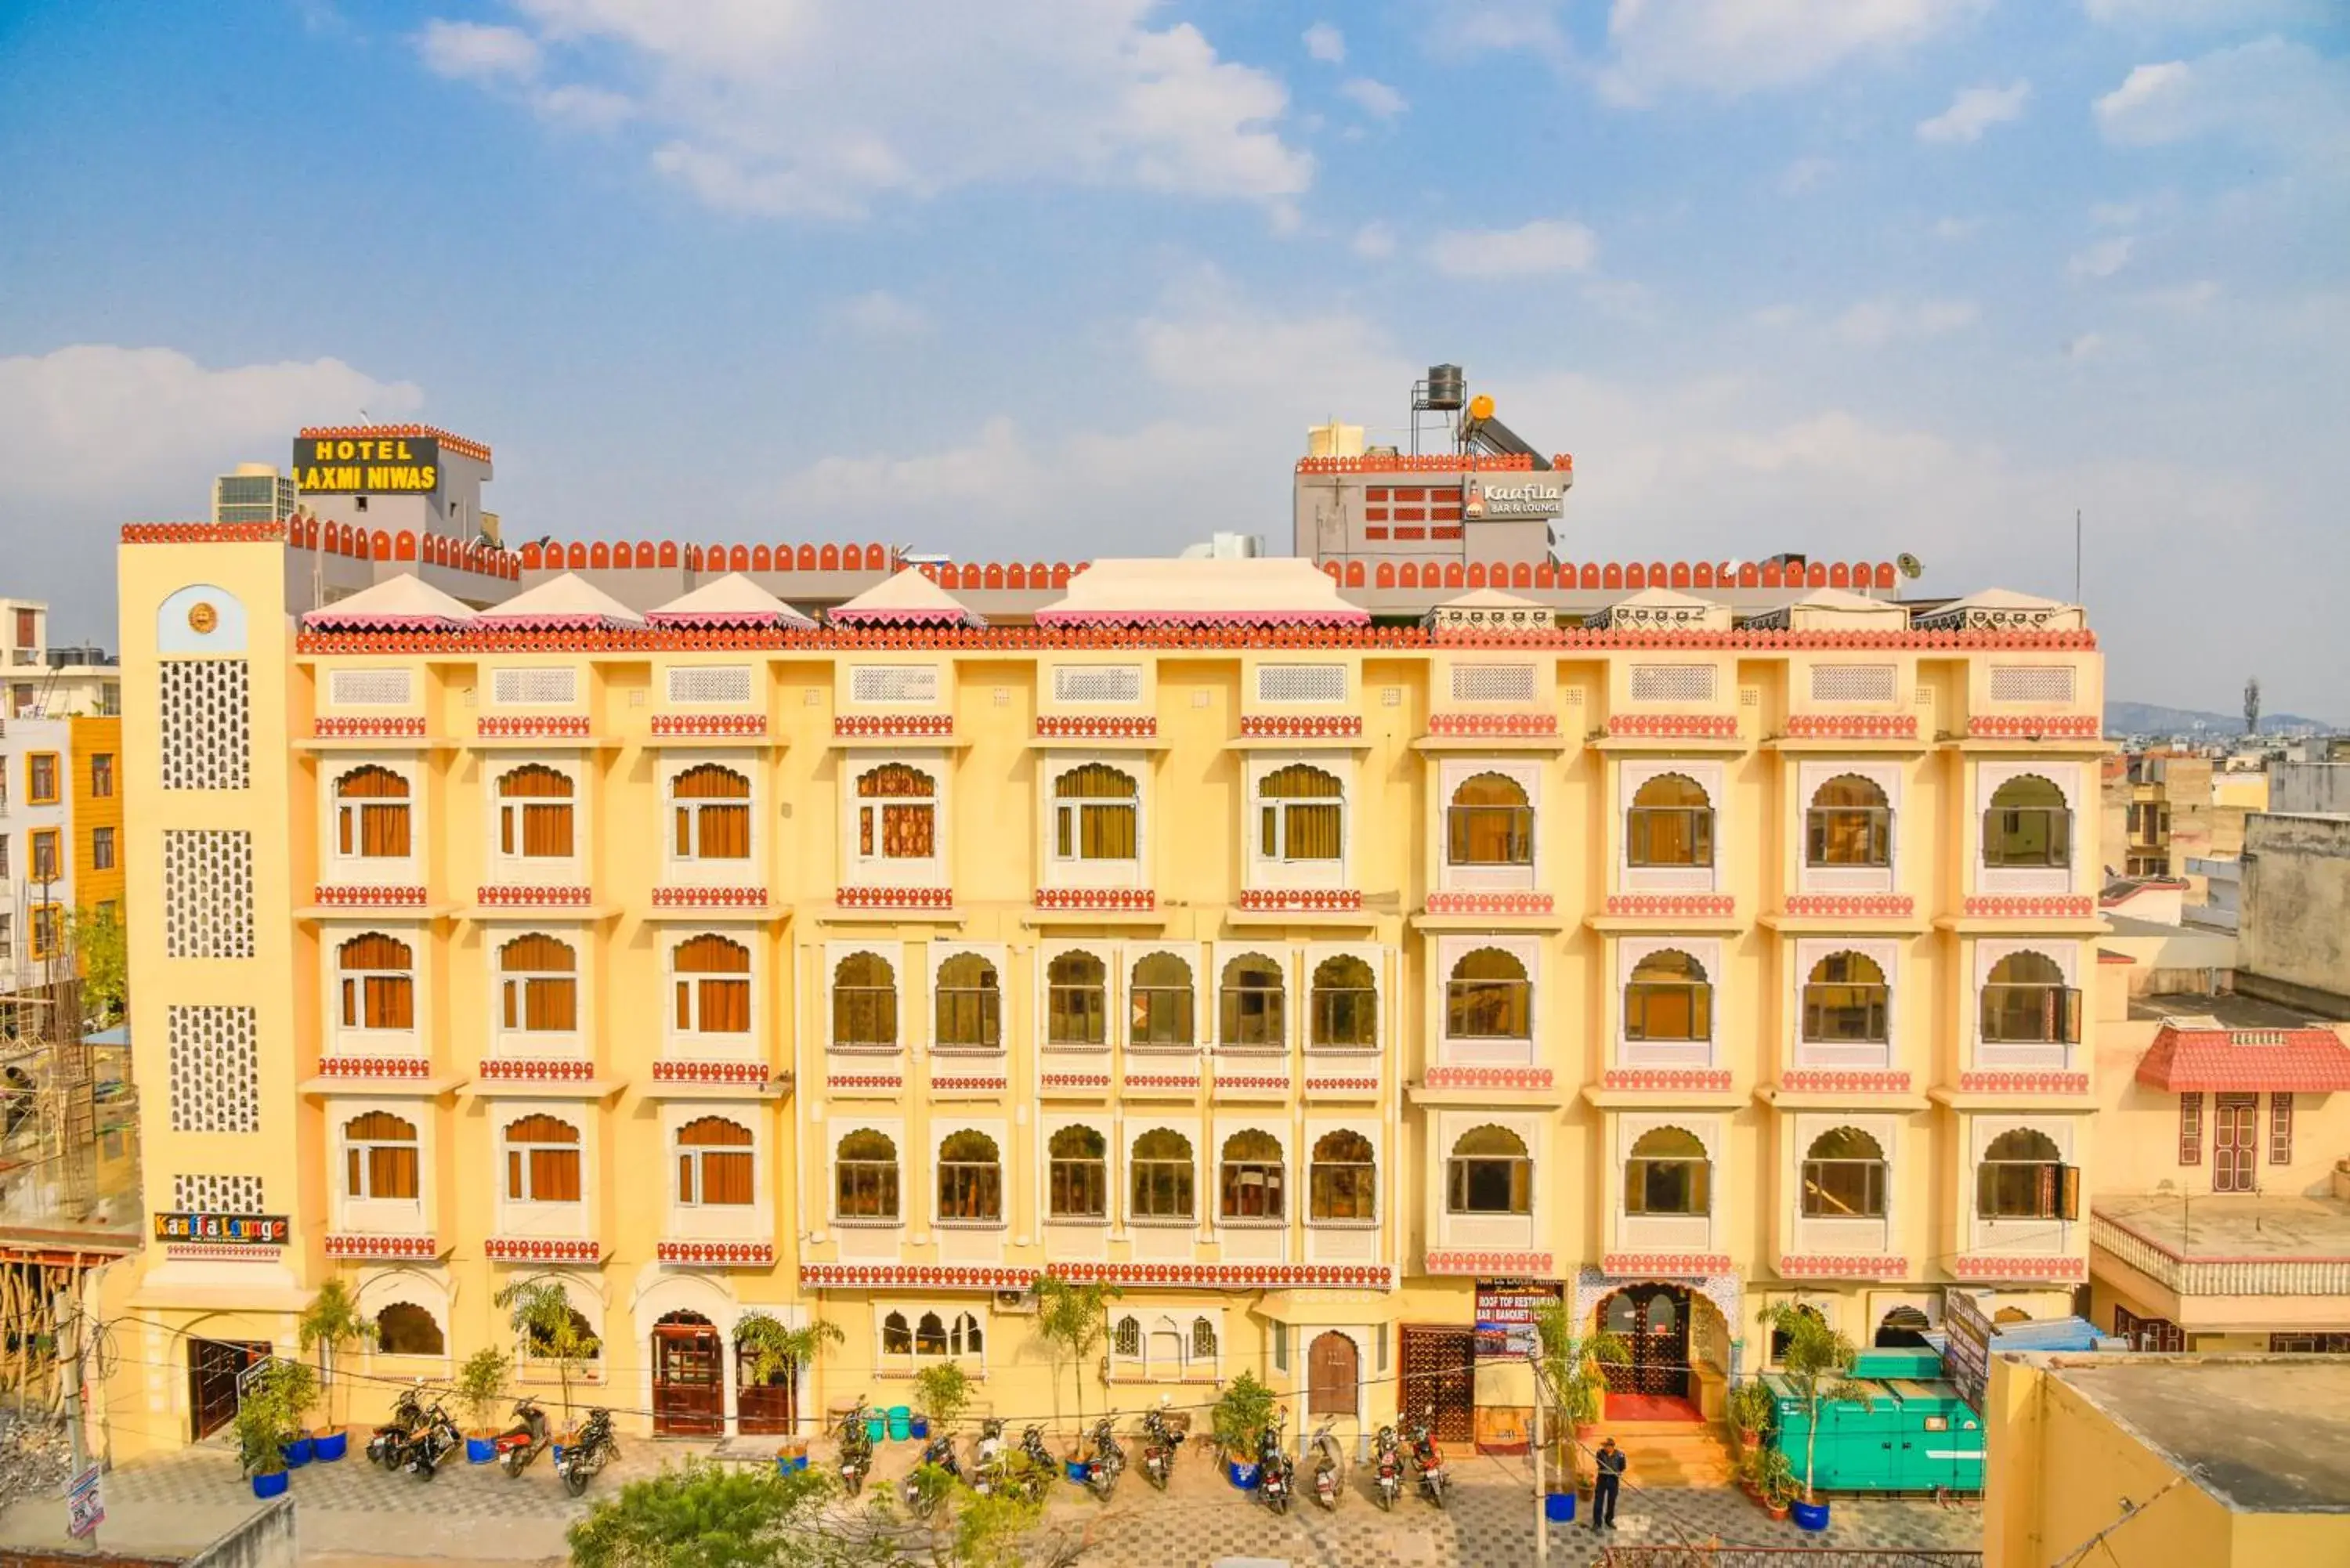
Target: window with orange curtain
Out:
[901,821]
[713,1162]
[711,813]
[1301,814]
[1093,814]
[1490,823]
[535,813]
[542,1160]
[371,815]
[379,982]
[713,986]
[379,1157]
[539,985]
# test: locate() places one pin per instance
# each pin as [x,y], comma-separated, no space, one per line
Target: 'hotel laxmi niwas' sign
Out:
[1515,495]
[242,1229]
[367,465]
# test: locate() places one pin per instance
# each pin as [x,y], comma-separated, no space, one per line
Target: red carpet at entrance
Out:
[1652,1407]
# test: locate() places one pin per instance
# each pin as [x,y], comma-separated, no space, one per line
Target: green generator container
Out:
[1914,1434]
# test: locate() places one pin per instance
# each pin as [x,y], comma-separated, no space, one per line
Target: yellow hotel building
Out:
[1314,981]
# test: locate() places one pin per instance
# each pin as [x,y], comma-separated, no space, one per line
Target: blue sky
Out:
[1052,278]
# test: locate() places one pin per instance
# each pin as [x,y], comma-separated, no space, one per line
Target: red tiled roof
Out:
[2192,1060]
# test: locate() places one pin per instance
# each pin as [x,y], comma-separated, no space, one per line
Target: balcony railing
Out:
[2222,1276]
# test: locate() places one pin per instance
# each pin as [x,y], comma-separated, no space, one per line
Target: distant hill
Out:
[2153,719]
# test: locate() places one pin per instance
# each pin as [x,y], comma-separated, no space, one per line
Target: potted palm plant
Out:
[479,1383]
[332,1325]
[771,1352]
[542,1318]
[1239,1420]
[1572,1368]
[1817,1363]
[1752,1405]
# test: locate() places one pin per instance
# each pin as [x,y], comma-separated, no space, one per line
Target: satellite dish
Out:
[1911,567]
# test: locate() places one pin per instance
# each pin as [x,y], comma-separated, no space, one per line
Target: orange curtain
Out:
[392,1170]
[550,1006]
[726,1006]
[907,832]
[711,781]
[555,1175]
[383,832]
[536,781]
[725,832]
[546,832]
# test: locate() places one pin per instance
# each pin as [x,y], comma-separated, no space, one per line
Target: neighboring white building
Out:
[255,493]
[37,680]
[37,849]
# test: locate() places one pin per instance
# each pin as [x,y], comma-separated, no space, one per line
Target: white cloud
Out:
[2201,16]
[1375,98]
[1732,47]
[1776,316]
[2129,214]
[1805,176]
[1325,42]
[1874,323]
[881,314]
[1547,244]
[1957,228]
[805,110]
[1975,111]
[1468,27]
[2181,296]
[1375,242]
[2102,259]
[2284,96]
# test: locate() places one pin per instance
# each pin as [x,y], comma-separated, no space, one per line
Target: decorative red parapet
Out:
[1284,727]
[746,898]
[1500,1079]
[1843,1081]
[2034,726]
[1674,726]
[1852,726]
[541,1249]
[334,895]
[530,1069]
[374,1067]
[1120,900]
[1675,1080]
[717,1254]
[1852,905]
[741,1074]
[1487,1263]
[531,895]
[895,897]
[1672,906]
[1988,1270]
[1175,1276]
[1496,725]
[1823,1266]
[1307,901]
[1668,1266]
[203,533]
[537,727]
[2023,1083]
[2031,907]
[1084,727]
[899,726]
[464,446]
[1498,904]
[349,1245]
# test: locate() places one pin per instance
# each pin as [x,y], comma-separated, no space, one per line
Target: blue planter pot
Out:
[1077,1471]
[297,1452]
[481,1451]
[1811,1516]
[269,1486]
[1558,1507]
[1242,1473]
[328,1447]
[919,1425]
[787,1463]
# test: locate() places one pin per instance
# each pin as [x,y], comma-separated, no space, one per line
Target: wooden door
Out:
[212,1368]
[687,1394]
[1654,1320]
[2235,1144]
[766,1410]
[1332,1375]
[1440,1370]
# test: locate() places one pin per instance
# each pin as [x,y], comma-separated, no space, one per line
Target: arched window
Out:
[371,815]
[1203,1339]
[2026,1002]
[864,1002]
[1252,1003]
[1125,1338]
[380,1158]
[1670,823]
[378,981]
[1843,1177]
[712,980]
[1077,1184]
[1159,1001]
[1903,1328]
[1489,997]
[1346,1005]
[1077,1001]
[1849,824]
[1162,1176]
[710,808]
[970,1177]
[1094,813]
[1301,814]
[1343,1178]
[865,1177]
[714,1163]
[1668,1173]
[535,813]
[2028,825]
[963,1336]
[2024,1176]
[896,813]
[1490,823]
[1668,998]
[538,1345]
[1253,1180]
[970,1004]
[404,1328]
[930,1335]
[1488,1173]
[542,1160]
[538,986]
[1846,1000]
[897,1335]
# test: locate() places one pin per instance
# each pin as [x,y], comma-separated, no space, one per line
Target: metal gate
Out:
[2235,1144]
[214,1366]
[1440,1370]
[768,1409]
[1654,1320]
[688,1395]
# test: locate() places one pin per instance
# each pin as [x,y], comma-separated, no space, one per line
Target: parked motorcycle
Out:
[590,1450]
[1429,1459]
[1160,1443]
[1329,1465]
[519,1444]
[1106,1462]
[1041,1466]
[432,1443]
[1390,1455]
[1276,1479]
[922,1491]
[987,1472]
[390,1443]
[856,1448]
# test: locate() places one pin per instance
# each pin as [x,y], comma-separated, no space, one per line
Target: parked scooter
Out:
[987,1472]
[856,1448]
[922,1492]
[1389,1456]
[1106,1462]
[519,1444]
[1429,1459]
[432,1443]
[1159,1446]
[390,1443]
[1041,1466]
[1329,1465]
[590,1450]
[1275,1478]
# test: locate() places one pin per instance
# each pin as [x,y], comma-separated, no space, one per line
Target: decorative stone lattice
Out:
[216,1194]
[1852,682]
[1098,683]
[1301,683]
[215,1069]
[1493,683]
[207,729]
[893,683]
[709,683]
[207,894]
[542,687]
[1672,683]
[2032,683]
[371,688]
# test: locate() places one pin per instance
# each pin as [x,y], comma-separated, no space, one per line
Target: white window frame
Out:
[996,955]
[837,1129]
[885,869]
[364,1212]
[539,868]
[1278,871]
[1083,871]
[1668,1054]
[544,1216]
[1204,1023]
[1513,1232]
[996,1132]
[1991,1055]
[522,1041]
[1811,775]
[1455,771]
[721,1041]
[673,1129]
[892,953]
[950,1312]
[1833,1237]
[2017,1237]
[1371,1130]
[357,1038]
[1284,958]
[1103,1126]
[369,867]
[1182,1322]
[692,860]
[1666,1233]
[1709,775]
[1450,949]
[1379,959]
[2026,880]
[1844,1055]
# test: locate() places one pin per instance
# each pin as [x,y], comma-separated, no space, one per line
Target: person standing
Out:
[1605,1488]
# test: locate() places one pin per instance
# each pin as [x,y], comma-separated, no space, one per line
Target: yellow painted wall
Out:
[96,737]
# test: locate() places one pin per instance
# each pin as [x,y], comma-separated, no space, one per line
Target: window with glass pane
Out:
[2028,825]
[1849,824]
[1301,814]
[897,1335]
[1843,1177]
[1077,1180]
[1668,1173]
[1488,1173]
[896,813]
[371,815]
[1158,1002]
[377,975]
[1162,1176]
[1077,1001]
[1346,1005]
[714,1163]
[1252,1003]
[380,1158]
[864,1002]
[1094,812]
[1668,998]
[970,1004]
[542,1160]
[1125,1338]
[1489,997]
[2024,1176]
[535,814]
[1490,823]
[538,986]
[2026,1002]
[1251,1177]
[1845,999]
[1342,1180]
[1670,823]
[712,979]
[865,1177]
[709,811]
[970,1177]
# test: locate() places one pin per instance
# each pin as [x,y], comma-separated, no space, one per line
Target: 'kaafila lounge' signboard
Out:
[367,465]
[245,1230]
[1513,496]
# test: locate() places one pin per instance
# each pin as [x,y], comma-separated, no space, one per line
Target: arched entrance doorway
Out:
[1333,1370]
[1653,1321]
[688,1397]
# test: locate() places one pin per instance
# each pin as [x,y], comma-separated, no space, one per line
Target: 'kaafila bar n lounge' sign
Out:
[1513,496]
[367,465]
[248,1230]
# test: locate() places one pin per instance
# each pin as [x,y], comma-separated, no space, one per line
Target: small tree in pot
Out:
[479,1382]
[332,1325]
[1574,1371]
[1240,1417]
[945,1393]
[1751,1409]
[1817,1362]
[1073,1320]
[542,1318]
